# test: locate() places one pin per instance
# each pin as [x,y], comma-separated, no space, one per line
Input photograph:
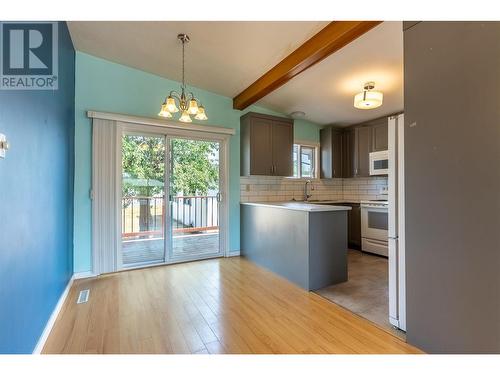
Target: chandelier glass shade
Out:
[185,103]
[368,98]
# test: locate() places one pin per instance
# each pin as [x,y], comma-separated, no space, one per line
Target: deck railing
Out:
[145,216]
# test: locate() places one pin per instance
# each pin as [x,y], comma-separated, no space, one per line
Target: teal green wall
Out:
[306,131]
[105,86]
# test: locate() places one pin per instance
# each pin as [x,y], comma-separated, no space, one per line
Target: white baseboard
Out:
[234,253]
[50,323]
[83,275]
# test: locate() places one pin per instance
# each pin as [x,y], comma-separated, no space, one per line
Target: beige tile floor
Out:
[366,291]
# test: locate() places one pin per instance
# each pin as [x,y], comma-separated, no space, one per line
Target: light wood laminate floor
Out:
[227,305]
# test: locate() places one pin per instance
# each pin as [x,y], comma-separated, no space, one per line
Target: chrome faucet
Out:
[306,195]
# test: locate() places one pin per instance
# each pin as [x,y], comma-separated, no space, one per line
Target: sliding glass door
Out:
[170,199]
[194,185]
[143,203]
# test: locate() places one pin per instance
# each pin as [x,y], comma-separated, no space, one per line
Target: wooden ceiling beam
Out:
[333,37]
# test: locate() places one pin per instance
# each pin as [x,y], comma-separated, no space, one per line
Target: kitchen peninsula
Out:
[303,242]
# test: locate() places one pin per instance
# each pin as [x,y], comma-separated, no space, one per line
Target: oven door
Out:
[374,222]
[379,163]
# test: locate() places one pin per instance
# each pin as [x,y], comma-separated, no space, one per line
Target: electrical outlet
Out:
[247,187]
[383,190]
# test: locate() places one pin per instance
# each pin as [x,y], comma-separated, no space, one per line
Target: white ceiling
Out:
[326,91]
[222,57]
[226,57]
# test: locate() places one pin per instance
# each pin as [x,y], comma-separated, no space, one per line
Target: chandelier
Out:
[186,103]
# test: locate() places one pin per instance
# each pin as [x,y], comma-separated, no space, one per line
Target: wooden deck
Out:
[151,250]
[224,305]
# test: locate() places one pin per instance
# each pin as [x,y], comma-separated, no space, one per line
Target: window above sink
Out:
[305,160]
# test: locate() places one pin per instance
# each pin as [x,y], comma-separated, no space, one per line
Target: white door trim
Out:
[397,252]
[113,212]
[401,225]
[171,124]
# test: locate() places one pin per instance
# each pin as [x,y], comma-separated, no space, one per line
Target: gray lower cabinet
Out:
[266,145]
[353,225]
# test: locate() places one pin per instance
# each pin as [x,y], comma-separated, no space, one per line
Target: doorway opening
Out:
[376,286]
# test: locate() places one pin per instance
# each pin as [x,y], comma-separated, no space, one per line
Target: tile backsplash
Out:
[275,189]
[364,188]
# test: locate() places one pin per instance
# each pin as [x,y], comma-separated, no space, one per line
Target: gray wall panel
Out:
[452,156]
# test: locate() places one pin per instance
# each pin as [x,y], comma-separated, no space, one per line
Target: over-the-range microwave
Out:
[379,163]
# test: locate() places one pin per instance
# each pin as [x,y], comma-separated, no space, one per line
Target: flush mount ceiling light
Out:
[188,105]
[368,99]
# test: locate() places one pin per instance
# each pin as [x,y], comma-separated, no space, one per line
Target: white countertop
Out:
[300,206]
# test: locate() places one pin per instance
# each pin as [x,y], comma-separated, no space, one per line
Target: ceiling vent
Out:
[297,114]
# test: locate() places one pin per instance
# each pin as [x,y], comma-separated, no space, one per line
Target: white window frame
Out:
[300,143]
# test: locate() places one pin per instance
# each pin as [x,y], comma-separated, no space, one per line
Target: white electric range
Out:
[375,226]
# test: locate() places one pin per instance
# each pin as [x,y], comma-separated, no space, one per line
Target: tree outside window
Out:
[195,170]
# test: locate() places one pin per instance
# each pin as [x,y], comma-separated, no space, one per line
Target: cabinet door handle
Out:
[274,169]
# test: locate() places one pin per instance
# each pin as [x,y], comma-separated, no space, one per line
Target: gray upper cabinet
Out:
[282,147]
[362,149]
[266,145]
[331,142]
[348,137]
[346,152]
[380,133]
[260,146]
[369,136]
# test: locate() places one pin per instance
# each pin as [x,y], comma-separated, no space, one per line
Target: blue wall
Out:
[109,87]
[36,203]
